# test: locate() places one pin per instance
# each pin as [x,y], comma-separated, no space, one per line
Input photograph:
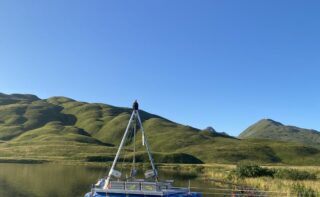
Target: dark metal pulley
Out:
[135,105]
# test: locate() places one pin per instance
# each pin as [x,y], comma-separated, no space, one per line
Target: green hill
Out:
[270,129]
[61,128]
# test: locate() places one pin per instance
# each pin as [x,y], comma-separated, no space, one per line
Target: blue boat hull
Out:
[98,194]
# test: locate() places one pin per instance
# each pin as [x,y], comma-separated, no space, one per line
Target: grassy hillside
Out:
[61,128]
[270,129]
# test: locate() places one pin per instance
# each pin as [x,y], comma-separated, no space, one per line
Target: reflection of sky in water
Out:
[53,180]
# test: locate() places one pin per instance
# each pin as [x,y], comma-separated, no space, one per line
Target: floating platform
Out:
[140,188]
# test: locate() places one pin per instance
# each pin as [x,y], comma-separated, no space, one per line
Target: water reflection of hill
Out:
[43,180]
[56,180]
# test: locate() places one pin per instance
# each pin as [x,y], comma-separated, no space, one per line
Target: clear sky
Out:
[224,64]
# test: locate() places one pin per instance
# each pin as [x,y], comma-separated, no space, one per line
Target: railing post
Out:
[92,186]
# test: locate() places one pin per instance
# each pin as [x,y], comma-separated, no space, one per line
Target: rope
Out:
[236,185]
[124,149]
[134,146]
[242,192]
[231,194]
[239,194]
[249,190]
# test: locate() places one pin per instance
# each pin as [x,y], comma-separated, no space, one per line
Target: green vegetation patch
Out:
[293,174]
[251,170]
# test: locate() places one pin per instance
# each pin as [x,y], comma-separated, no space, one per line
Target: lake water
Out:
[55,180]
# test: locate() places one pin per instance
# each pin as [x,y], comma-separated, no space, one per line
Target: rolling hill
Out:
[270,129]
[60,128]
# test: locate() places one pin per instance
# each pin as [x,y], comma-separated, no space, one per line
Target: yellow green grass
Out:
[220,172]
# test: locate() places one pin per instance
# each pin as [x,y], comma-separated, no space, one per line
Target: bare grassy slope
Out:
[61,128]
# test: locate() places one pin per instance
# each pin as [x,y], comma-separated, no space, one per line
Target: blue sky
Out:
[224,64]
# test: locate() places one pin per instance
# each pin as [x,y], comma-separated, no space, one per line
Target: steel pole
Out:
[145,141]
[118,152]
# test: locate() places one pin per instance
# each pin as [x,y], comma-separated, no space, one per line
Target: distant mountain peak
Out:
[270,129]
[270,121]
[211,129]
[59,100]
[17,98]
[261,128]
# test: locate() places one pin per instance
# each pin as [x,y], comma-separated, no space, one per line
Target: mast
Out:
[135,117]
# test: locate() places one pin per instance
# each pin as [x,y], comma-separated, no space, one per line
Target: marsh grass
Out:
[285,187]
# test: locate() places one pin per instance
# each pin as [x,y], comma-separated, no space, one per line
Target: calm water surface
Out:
[56,180]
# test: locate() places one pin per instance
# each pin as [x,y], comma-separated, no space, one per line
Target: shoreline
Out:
[159,165]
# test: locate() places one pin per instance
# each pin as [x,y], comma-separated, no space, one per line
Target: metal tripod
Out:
[134,118]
